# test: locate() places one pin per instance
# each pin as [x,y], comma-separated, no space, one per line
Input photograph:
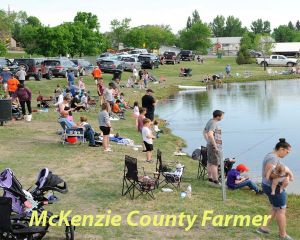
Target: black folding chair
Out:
[132,182]
[202,166]
[15,230]
[169,178]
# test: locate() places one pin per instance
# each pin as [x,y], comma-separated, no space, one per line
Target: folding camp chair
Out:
[15,230]
[68,133]
[202,166]
[169,178]
[133,182]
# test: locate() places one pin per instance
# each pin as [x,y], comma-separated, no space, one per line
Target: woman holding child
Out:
[278,199]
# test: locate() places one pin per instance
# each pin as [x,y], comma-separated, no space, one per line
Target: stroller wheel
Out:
[70,232]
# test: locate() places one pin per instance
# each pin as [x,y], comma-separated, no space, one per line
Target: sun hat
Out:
[179,165]
[6,69]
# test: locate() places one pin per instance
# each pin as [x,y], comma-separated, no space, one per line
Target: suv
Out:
[187,55]
[108,65]
[84,67]
[34,68]
[4,62]
[149,61]
[59,67]
[171,57]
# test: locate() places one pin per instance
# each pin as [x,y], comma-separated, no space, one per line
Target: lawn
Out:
[95,178]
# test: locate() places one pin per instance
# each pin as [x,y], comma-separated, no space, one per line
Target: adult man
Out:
[5,75]
[21,74]
[236,181]
[71,78]
[149,102]
[213,136]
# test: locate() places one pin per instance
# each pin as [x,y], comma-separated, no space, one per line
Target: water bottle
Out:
[189,191]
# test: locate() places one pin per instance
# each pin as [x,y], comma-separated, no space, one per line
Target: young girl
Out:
[148,139]
[105,125]
[156,128]
[81,86]
[100,90]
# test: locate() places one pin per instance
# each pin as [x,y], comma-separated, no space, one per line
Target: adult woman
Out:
[105,125]
[65,109]
[278,201]
[24,95]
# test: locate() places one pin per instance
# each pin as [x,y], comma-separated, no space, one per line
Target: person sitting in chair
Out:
[236,181]
[88,131]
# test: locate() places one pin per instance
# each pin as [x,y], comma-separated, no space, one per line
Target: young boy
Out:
[280,175]
[235,181]
[156,128]
[148,139]
[140,123]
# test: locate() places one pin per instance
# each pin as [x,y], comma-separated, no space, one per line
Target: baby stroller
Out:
[18,204]
[16,111]
[185,72]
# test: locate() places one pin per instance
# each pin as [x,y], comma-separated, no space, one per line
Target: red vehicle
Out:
[171,57]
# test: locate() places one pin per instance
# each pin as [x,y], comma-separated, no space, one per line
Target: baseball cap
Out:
[242,168]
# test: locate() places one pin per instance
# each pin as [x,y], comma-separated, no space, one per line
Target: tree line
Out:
[82,36]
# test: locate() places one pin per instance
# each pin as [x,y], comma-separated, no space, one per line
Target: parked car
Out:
[149,61]
[60,66]
[277,60]
[130,63]
[187,55]
[34,68]
[84,66]
[171,57]
[136,52]
[4,62]
[254,53]
[108,65]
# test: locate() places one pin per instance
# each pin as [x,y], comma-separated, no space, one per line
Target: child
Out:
[100,90]
[117,110]
[85,100]
[280,175]
[141,119]
[81,86]
[89,133]
[145,78]
[148,139]
[156,129]
[136,110]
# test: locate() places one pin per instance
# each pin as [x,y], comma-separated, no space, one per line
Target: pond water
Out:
[257,114]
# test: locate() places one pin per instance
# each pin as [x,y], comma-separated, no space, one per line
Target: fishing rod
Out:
[254,146]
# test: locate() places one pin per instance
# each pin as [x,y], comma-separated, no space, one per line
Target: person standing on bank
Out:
[21,75]
[24,95]
[279,200]
[149,102]
[213,136]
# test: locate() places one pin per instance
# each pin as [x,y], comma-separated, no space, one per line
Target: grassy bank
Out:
[95,178]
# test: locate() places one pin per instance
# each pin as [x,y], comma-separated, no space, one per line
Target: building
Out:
[287,48]
[228,45]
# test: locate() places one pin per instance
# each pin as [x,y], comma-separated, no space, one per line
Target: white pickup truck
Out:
[277,60]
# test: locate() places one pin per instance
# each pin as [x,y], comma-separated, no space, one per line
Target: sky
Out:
[167,12]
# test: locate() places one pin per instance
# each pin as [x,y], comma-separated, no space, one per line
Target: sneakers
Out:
[260,192]
[93,145]
[108,150]
[262,231]
[287,237]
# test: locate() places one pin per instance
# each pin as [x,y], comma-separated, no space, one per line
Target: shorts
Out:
[278,201]
[105,130]
[213,155]
[149,147]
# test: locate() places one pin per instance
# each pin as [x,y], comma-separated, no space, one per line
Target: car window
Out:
[127,59]
[281,57]
[144,58]
[51,63]
[274,57]
[3,62]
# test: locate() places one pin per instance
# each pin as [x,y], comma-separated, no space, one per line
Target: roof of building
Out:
[286,47]
[226,40]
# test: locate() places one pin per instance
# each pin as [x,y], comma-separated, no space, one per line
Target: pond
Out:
[257,114]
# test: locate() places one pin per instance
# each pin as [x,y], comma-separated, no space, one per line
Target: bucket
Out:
[72,139]
[28,118]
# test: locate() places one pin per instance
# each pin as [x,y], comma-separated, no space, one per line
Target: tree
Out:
[34,21]
[195,17]
[249,41]
[135,38]
[298,25]
[119,30]
[233,27]
[3,48]
[189,22]
[28,38]
[196,38]
[284,34]
[260,27]
[88,19]
[19,21]
[291,25]
[218,26]
[266,45]
[243,56]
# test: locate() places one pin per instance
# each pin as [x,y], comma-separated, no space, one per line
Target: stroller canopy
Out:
[46,180]
[10,183]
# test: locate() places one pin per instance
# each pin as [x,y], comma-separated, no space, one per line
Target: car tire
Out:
[49,75]
[38,76]
[290,64]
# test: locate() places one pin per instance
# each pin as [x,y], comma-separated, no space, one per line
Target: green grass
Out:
[95,178]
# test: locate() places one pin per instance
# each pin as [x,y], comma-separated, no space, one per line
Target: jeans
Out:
[28,103]
[89,135]
[247,183]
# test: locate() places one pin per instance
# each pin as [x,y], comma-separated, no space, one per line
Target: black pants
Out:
[22,82]
[28,103]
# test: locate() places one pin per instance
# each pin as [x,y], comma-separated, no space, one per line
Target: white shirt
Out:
[136,111]
[108,95]
[135,72]
[156,129]
[21,74]
[146,132]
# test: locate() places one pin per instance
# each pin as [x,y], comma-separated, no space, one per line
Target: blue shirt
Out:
[233,175]
[5,75]
[71,77]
